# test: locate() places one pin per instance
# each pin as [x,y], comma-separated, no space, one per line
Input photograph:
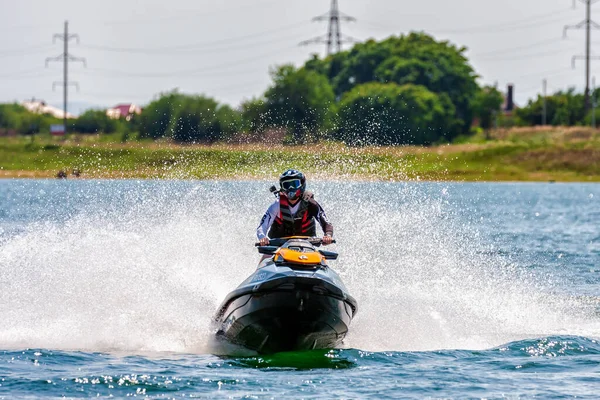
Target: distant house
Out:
[40,107]
[123,111]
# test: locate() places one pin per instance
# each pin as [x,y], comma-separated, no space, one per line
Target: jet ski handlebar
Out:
[315,241]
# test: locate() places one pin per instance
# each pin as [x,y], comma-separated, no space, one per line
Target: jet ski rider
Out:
[294,213]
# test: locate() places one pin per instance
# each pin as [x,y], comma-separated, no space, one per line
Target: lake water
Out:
[465,290]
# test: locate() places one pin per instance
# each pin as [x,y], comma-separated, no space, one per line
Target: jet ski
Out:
[293,301]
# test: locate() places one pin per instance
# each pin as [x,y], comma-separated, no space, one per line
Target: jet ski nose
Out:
[293,302]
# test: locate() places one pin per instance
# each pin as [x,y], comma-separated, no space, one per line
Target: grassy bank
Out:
[542,154]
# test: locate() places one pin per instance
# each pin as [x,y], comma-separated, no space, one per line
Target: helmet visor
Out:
[290,185]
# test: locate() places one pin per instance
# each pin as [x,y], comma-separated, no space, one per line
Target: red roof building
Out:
[123,111]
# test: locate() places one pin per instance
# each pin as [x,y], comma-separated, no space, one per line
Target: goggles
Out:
[290,185]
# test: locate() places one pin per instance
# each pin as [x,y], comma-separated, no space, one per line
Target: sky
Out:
[136,49]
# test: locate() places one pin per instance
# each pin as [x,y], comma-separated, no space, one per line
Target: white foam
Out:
[148,275]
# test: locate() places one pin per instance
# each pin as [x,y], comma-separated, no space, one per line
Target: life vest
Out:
[286,224]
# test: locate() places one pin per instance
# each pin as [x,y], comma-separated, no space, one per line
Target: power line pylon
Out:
[334,37]
[586,24]
[65,57]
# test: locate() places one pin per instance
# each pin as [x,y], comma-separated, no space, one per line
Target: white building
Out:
[40,107]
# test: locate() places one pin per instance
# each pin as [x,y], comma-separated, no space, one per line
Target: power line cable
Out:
[190,51]
[12,28]
[223,89]
[113,95]
[212,73]
[533,19]
[521,57]
[236,88]
[545,73]
[21,72]
[500,27]
[35,76]
[186,14]
[24,50]
[191,46]
[32,71]
[189,72]
[512,50]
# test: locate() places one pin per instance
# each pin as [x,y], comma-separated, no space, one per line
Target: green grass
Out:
[519,155]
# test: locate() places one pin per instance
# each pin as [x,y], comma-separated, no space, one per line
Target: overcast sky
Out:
[224,49]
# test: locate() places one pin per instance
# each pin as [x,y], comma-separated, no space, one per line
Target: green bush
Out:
[188,118]
[95,121]
[562,108]
[416,59]
[376,113]
[254,115]
[300,100]
[17,117]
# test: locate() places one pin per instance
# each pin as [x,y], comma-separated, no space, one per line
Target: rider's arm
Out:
[323,221]
[267,220]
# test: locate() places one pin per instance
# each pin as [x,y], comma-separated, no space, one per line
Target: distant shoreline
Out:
[521,154]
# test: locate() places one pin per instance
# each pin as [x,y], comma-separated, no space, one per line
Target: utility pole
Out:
[587,23]
[594,102]
[544,83]
[65,57]
[334,37]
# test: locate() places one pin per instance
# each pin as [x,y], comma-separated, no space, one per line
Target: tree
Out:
[202,119]
[300,100]
[487,102]
[416,59]
[403,71]
[95,121]
[254,115]
[194,120]
[30,123]
[16,117]
[156,117]
[9,115]
[377,113]
[359,65]
[188,118]
[230,121]
[562,108]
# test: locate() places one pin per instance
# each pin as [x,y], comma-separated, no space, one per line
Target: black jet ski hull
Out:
[292,316]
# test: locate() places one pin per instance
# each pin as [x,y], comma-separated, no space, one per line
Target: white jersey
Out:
[269,217]
[273,212]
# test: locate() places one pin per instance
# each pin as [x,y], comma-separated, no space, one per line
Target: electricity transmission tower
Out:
[334,37]
[65,57]
[586,24]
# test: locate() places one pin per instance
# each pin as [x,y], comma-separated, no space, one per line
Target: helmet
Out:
[292,183]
